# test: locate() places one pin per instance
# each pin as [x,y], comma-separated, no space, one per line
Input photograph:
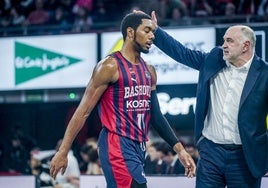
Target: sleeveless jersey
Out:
[124,107]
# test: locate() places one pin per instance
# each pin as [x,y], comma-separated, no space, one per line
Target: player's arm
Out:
[104,73]
[159,121]
[161,125]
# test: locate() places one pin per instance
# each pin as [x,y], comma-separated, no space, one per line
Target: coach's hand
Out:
[153,16]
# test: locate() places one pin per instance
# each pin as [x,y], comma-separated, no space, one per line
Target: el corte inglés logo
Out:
[32,62]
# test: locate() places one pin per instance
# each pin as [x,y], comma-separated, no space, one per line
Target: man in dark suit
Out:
[232,104]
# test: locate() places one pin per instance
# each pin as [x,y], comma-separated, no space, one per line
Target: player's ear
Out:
[130,33]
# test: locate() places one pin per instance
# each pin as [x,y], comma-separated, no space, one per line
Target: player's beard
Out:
[139,48]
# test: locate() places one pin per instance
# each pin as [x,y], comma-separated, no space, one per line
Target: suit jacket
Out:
[253,106]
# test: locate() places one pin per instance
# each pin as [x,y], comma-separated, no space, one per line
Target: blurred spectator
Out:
[35,166]
[5,21]
[17,18]
[151,159]
[16,156]
[165,9]
[5,6]
[27,141]
[89,163]
[170,158]
[230,10]
[247,7]
[38,16]
[59,18]
[92,141]
[27,3]
[26,6]
[99,13]
[219,7]
[198,8]
[177,17]
[161,8]
[93,167]
[262,9]
[87,4]
[84,158]
[51,5]
[38,166]
[82,20]
[153,162]
[68,5]
[16,152]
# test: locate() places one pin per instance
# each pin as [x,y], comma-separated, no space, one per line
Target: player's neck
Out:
[132,56]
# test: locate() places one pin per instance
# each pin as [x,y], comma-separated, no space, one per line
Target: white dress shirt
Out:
[221,123]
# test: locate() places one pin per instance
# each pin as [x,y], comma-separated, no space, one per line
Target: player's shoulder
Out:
[109,62]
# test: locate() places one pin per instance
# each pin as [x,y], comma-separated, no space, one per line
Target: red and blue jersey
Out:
[124,108]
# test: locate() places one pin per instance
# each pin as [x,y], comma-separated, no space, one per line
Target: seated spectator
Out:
[220,7]
[88,4]
[27,140]
[25,6]
[16,156]
[262,9]
[99,12]
[38,166]
[27,3]
[230,10]
[67,6]
[17,19]
[5,21]
[59,18]
[89,163]
[153,162]
[93,167]
[39,15]
[83,162]
[82,20]
[199,8]
[5,7]
[92,141]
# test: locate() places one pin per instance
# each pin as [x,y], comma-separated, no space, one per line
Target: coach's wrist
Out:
[178,147]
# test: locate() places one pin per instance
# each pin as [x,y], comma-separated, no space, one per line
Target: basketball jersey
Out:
[125,105]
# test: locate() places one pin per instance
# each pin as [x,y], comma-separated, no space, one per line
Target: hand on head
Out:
[154,19]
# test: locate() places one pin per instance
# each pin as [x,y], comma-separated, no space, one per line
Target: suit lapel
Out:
[214,64]
[253,74]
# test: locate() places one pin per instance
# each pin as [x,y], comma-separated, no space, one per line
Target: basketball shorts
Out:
[121,159]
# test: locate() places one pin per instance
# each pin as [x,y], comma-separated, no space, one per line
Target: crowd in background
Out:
[87,15]
[21,155]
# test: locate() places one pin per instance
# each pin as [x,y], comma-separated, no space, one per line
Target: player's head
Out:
[132,20]
[138,30]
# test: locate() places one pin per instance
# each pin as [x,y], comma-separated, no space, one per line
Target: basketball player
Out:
[124,87]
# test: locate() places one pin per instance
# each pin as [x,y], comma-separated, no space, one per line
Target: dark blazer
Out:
[253,107]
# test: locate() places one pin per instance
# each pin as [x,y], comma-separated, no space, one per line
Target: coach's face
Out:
[234,46]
